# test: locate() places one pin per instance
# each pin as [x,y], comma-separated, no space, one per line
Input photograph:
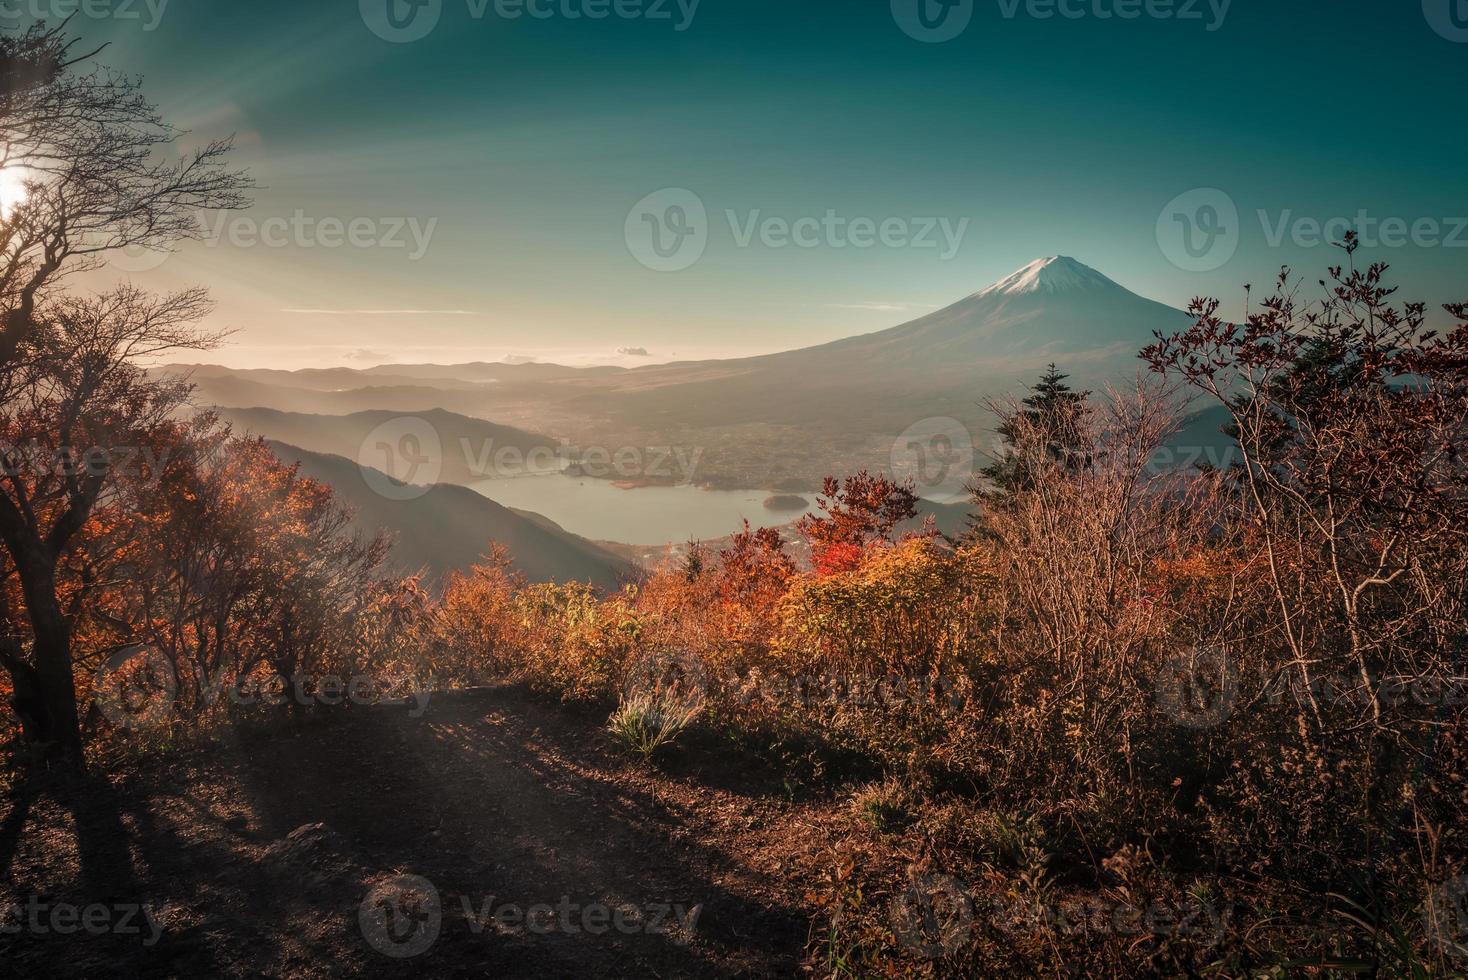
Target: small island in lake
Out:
[786,501]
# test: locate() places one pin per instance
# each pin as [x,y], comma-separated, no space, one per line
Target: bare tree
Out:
[1351,494]
[1350,420]
[93,156]
[75,403]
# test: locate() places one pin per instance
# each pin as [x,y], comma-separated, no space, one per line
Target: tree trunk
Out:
[46,689]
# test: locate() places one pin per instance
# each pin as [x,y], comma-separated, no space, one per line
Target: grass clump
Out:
[886,807]
[646,722]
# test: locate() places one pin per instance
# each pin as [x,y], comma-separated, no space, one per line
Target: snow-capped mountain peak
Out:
[1056,274]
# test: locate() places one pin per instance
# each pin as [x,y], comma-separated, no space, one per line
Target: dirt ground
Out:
[287,855]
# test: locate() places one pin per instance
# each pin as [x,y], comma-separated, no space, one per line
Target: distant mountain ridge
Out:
[1050,305]
[466,449]
[449,528]
[783,420]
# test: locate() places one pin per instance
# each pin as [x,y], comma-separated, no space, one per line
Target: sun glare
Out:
[12,189]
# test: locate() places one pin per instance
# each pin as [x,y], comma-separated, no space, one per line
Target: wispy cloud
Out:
[881,307]
[384,312]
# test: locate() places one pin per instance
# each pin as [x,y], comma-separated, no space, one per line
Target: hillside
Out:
[448,528]
[466,449]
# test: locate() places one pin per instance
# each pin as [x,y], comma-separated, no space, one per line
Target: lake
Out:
[599,510]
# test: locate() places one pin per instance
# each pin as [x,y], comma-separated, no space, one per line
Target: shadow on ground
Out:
[255,857]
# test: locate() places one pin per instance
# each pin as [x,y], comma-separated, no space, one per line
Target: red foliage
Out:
[755,567]
[842,556]
[861,512]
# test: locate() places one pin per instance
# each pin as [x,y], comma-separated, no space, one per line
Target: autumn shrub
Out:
[1237,690]
[1352,502]
[574,644]
[478,626]
[879,658]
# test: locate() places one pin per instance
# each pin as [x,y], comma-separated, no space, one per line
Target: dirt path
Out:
[548,855]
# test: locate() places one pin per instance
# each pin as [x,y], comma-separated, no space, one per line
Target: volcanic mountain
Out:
[1054,309]
[778,421]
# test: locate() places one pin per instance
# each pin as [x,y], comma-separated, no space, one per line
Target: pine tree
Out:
[1052,409]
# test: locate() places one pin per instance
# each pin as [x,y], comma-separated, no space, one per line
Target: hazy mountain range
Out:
[778,421]
[466,445]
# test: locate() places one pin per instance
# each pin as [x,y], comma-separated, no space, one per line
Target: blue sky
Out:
[518,146]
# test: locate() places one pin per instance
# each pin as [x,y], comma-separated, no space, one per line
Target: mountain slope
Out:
[1052,309]
[467,446]
[788,419]
[449,528]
